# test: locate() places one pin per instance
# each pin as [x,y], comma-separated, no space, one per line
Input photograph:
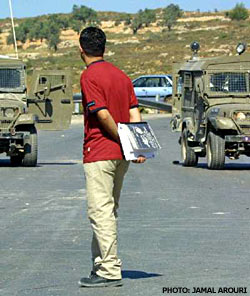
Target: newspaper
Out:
[137,138]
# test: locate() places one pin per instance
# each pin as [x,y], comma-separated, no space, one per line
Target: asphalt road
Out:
[178,227]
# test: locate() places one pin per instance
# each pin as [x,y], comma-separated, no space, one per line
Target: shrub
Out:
[238,13]
[170,14]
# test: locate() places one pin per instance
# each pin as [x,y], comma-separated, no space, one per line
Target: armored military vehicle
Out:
[46,104]
[211,107]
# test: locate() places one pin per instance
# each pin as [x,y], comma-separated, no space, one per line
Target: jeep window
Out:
[10,78]
[179,85]
[228,82]
[187,80]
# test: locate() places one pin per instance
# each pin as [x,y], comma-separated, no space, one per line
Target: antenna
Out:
[13,27]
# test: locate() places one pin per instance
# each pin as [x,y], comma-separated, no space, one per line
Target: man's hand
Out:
[135,116]
[140,159]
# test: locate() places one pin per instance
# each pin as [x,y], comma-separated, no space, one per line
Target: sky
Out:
[28,8]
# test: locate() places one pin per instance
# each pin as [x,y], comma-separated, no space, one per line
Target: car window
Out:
[140,82]
[153,82]
[165,82]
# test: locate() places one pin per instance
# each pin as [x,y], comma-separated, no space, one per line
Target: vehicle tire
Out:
[189,157]
[215,151]
[16,160]
[30,148]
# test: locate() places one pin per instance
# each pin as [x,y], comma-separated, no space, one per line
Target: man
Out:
[108,98]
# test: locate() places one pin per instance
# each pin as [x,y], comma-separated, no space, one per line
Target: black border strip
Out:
[96,110]
[134,106]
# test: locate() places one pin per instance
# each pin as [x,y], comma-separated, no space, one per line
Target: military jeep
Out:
[211,107]
[47,104]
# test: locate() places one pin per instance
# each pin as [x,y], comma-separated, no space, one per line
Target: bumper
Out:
[17,136]
[238,139]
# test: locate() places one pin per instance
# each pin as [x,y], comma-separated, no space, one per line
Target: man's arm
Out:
[134,115]
[108,123]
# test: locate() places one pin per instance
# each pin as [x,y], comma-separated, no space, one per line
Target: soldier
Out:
[108,98]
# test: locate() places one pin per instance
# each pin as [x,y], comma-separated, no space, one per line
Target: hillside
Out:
[152,50]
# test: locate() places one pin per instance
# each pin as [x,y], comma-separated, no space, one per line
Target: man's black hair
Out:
[92,41]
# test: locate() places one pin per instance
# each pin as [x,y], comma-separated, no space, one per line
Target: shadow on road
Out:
[135,274]
[56,163]
[228,166]
[6,163]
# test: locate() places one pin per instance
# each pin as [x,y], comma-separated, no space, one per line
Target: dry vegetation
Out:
[151,51]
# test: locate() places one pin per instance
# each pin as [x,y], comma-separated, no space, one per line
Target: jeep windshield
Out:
[229,83]
[11,80]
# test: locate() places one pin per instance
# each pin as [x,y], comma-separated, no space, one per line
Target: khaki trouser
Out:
[103,183]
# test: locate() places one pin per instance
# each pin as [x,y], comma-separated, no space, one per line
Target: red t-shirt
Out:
[104,86]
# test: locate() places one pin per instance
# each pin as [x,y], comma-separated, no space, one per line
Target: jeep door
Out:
[50,99]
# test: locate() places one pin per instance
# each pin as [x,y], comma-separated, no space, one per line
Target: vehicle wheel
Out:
[189,157]
[215,152]
[168,99]
[30,149]
[16,160]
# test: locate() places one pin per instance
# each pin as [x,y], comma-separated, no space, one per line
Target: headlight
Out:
[240,116]
[9,112]
[241,47]
[215,111]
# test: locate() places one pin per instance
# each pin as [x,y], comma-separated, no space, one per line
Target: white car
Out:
[149,86]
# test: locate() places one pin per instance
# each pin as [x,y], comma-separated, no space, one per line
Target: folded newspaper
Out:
[137,138]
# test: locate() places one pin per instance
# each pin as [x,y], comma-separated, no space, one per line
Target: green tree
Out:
[54,40]
[137,22]
[148,16]
[127,19]
[64,22]
[23,30]
[10,39]
[239,12]
[142,18]
[123,17]
[170,14]
[34,29]
[83,15]
[36,32]
[52,34]
[76,25]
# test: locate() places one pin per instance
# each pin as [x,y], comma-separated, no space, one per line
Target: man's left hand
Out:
[140,159]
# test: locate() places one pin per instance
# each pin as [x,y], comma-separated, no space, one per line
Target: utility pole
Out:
[13,27]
